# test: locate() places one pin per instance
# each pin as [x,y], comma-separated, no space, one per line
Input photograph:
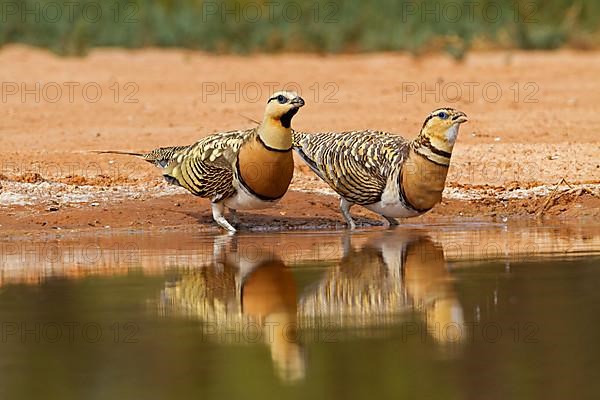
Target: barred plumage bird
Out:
[383,172]
[244,169]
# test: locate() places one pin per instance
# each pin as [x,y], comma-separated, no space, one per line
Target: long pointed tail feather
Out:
[124,153]
[159,157]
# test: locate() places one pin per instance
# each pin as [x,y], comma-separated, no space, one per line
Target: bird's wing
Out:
[206,167]
[355,164]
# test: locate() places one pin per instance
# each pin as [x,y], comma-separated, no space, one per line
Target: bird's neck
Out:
[424,174]
[274,135]
[433,149]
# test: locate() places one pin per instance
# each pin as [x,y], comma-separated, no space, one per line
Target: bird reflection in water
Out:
[381,284]
[255,296]
[378,286]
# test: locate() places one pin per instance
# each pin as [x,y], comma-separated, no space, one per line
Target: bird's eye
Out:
[443,115]
[281,99]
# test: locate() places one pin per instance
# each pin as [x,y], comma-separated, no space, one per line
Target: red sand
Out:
[540,127]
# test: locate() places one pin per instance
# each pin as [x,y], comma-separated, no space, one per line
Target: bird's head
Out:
[282,106]
[441,127]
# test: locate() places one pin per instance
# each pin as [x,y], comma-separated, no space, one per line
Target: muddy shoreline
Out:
[297,211]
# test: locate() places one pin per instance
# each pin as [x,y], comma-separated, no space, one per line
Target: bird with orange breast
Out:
[384,172]
[239,170]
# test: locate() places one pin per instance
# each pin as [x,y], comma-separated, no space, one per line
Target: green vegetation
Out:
[243,26]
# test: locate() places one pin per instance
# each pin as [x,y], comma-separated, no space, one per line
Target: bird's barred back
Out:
[355,164]
[204,168]
[163,155]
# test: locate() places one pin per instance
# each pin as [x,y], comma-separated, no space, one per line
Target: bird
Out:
[382,171]
[240,169]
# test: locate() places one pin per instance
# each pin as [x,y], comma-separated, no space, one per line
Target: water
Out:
[453,312]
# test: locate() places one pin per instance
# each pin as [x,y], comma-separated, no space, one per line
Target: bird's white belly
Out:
[243,200]
[394,210]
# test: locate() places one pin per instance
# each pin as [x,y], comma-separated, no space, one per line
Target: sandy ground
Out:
[533,122]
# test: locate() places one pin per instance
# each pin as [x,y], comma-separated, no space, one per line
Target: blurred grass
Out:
[243,26]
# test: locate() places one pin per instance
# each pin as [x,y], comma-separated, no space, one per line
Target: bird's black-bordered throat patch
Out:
[286,119]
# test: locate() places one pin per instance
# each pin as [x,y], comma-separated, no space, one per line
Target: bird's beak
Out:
[297,102]
[460,118]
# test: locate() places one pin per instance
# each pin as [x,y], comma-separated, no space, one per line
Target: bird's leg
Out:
[234,217]
[345,206]
[217,212]
[389,221]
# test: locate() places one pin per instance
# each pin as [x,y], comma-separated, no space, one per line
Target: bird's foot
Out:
[217,211]
[390,222]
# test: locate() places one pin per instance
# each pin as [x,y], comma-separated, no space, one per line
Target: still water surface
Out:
[482,312]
